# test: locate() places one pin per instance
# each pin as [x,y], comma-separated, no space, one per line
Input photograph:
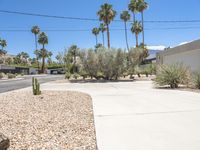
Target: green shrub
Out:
[1,75]
[11,76]
[67,75]
[83,74]
[197,81]
[172,75]
[76,76]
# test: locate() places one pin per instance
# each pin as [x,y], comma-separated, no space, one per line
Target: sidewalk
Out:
[134,116]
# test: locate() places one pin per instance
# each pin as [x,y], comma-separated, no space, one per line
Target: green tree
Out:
[102,28]
[3,52]
[142,6]
[107,14]
[137,29]
[125,16]
[74,52]
[36,30]
[95,31]
[43,40]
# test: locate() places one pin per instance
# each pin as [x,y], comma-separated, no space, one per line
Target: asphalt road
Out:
[10,85]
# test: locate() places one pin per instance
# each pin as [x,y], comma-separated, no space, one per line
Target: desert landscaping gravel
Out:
[51,121]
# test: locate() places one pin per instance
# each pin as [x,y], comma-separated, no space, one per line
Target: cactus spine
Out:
[36,86]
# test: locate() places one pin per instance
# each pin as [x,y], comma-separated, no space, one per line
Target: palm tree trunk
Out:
[43,60]
[36,49]
[136,37]
[96,40]
[108,35]
[103,38]
[126,36]
[142,27]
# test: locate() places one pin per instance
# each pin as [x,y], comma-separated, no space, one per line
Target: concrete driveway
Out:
[135,116]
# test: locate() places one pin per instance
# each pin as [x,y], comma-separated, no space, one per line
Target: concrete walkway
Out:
[134,116]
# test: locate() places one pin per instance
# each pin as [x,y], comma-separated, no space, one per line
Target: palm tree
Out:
[36,30]
[142,6]
[95,31]
[43,40]
[125,16]
[137,29]
[133,7]
[107,14]
[74,52]
[102,28]
[3,52]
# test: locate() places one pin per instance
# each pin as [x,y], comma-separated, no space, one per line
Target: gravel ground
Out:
[52,121]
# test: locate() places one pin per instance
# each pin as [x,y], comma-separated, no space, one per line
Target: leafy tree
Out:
[107,14]
[73,53]
[125,16]
[43,53]
[9,61]
[102,28]
[95,31]
[137,29]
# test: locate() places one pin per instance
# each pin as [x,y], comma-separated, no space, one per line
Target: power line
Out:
[92,19]
[89,30]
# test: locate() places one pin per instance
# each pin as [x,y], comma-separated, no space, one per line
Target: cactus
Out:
[36,86]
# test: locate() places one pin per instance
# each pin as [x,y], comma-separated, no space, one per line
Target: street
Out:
[10,85]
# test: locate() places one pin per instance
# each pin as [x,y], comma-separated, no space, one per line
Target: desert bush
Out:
[11,76]
[67,75]
[76,76]
[1,75]
[197,80]
[172,75]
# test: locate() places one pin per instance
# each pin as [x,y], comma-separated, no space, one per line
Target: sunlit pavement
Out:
[135,116]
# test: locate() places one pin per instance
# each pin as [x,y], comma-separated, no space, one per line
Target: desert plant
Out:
[11,76]
[36,86]
[67,75]
[172,75]
[76,76]
[197,81]
[1,75]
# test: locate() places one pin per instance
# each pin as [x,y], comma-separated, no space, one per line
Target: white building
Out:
[187,54]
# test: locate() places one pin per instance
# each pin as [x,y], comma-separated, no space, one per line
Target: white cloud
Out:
[157,47]
[184,43]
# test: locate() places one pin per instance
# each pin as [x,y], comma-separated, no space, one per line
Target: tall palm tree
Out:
[137,29]
[36,30]
[142,6]
[102,28]
[95,31]
[133,7]
[107,14]
[43,40]
[125,16]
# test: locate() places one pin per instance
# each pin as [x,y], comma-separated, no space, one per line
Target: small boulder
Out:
[4,142]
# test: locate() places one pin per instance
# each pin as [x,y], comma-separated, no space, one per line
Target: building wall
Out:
[190,59]
[187,54]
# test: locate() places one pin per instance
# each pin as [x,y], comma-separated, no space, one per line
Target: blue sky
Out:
[58,41]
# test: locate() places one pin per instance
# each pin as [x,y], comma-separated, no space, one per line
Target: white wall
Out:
[190,59]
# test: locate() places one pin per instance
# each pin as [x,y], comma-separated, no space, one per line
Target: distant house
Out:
[15,69]
[187,54]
